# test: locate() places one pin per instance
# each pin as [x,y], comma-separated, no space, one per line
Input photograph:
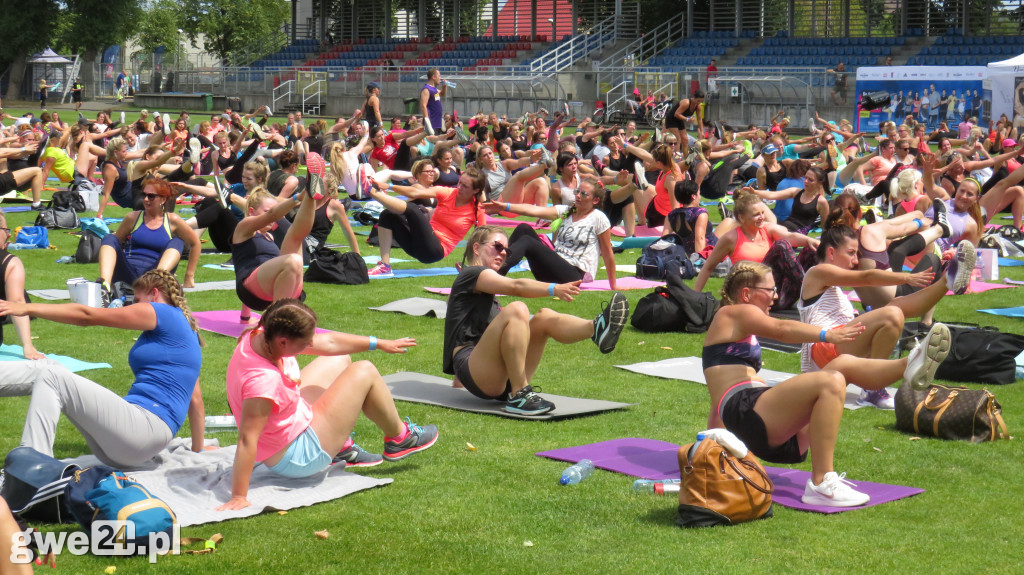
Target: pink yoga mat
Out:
[975,287]
[504,222]
[624,283]
[226,322]
[652,459]
[640,231]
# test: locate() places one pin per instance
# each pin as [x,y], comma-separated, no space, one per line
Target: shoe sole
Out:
[875,405]
[618,306]
[362,464]
[826,502]
[194,148]
[517,411]
[965,267]
[938,342]
[403,454]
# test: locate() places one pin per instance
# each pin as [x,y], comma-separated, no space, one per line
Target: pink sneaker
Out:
[316,170]
[381,270]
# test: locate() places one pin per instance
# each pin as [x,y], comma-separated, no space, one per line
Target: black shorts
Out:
[249,298]
[76,96]
[671,121]
[460,364]
[739,417]
[7,182]
[653,216]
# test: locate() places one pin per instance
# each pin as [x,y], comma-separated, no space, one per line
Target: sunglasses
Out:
[772,289]
[6,230]
[581,193]
[672,143]
[150,196]
[499,247]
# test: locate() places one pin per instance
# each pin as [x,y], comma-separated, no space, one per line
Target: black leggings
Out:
[413,233]
[613,210]
[234,175]
[219,222]
[403,158]
[716,183]
[928,261]
[546,265]
[902,248]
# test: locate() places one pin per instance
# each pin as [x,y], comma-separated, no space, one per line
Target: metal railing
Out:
[282,92]
[567,53]
[259,49]
[618,67]
[314,91]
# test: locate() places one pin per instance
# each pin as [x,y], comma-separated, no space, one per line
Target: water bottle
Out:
[66,260]
[576,473]
[658,486]
[696,444]
[119,302]
[449,83]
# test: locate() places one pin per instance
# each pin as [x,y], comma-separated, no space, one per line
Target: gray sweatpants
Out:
[119,433]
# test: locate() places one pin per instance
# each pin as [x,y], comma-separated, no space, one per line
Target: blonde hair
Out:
[259,170]
[168,285]
[743,201]
[256,197]
[901,187]
[479,236]
[113,145]
[744,274]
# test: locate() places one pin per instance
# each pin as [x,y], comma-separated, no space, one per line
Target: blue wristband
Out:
[821,336]
[373,343]
[551,289]
[508,207]
[919,223]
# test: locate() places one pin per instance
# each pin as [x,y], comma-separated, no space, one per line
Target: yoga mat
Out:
[625,283]
[194,484]
[640,231]
[1005,312]
[507,223]
[652,459]
[431,390]
[691,369]
[49,294]
[374,260]
[59,294]
[418,272]
[16,353]
[1009,263]
[417,306]
[975,287]
[225,322]
[16,209]
[635,242]
[623,268]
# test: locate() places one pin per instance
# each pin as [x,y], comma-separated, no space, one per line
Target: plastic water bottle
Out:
[449,83]
[658,486]
[576,473]
[119,302]
[696,444]
[66,260]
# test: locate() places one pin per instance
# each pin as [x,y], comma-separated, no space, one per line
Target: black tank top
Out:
[322,225]
[369,115]
[803,215]
[623,162]
[772,179]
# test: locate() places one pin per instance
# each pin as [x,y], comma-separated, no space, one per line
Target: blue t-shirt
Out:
[783,208]
[789,152]
[238,190]
[166,362]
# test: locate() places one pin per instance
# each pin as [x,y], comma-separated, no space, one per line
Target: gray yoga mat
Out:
[417,306]
[432,390]
[691,369]
[59,294]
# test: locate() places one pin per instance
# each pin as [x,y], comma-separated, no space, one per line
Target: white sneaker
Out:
[167,124]
[879,398]
[195,148]
[960,268]
[926,357]
[833,491]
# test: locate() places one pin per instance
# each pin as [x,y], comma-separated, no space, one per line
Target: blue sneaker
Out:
[608,325]
[355,456]
[527,402]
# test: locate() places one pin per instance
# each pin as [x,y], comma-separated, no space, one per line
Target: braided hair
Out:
[744,274]
[168,285]
[288,318]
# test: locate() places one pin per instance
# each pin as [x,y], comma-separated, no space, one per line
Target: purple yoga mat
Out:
[653,459]
[597,285]
[225,322]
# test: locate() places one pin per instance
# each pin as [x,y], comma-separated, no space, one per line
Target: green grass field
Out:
[499,509]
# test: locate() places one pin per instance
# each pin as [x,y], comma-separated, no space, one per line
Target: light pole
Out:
[552,21]
[177,51]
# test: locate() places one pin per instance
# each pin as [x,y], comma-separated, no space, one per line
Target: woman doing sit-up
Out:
[494,351]
[780,423]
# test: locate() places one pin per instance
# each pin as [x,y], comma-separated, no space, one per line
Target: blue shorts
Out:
[304,457]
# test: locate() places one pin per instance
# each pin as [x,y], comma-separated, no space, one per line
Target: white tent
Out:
[48,56]
[51,66]
[1007,85]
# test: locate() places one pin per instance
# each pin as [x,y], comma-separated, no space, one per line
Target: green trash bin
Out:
[208,101]
[412,106]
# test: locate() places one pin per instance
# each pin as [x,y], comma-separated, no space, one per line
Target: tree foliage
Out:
[24,27]
[90,26]
[228,25]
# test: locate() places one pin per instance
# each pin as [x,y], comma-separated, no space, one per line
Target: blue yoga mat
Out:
[15,353]
[1006,311]
[15,209]
[634,242]
[419,272]
[1007,262]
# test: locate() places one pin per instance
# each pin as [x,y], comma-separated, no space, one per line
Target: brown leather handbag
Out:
[720,489]
[950,413]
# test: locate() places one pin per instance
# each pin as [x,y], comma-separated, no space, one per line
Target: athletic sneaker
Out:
[960,268]
[723,210]
[833,491]
[167,124]
[527,402]
[195,148]
[355,456]
[942,217]
[104,293]
[926,357]
[609,323]
[418,439]
[381,269]
[316,170]
[365,180]
[222,192]
[257,130]
[879,398]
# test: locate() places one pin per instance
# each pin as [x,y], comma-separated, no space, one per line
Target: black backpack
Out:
[981,355]
[88,251]
[68,199]
[331,267]
[675,307]
[658,258]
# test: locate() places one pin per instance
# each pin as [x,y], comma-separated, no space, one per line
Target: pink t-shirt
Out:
[880,168]
[450,222]
[250,375]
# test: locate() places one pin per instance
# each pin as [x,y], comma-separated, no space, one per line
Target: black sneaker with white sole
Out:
[609,323]
[527,402]
[942,217]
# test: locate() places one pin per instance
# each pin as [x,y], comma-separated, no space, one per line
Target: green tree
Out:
[25,32]
[160,26]
[88,27]
[228,25]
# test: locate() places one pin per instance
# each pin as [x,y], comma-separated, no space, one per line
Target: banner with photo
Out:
[931,94]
